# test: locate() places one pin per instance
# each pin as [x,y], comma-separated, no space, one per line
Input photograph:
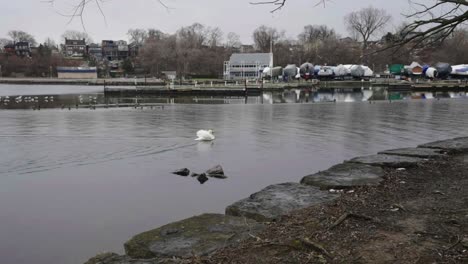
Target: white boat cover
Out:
[461,69]
[341,70]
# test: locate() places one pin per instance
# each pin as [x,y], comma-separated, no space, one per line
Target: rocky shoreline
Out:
[207,237]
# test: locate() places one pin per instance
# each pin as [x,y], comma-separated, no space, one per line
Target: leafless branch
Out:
[281,3]
[79,8]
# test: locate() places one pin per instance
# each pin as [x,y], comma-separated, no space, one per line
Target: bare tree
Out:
[215,36]
[4,42]
[365,23]
[312,33]
[50,43]
[137,36]
[233,40]
[264,36]
[18,35]
[155,34]
[76,35]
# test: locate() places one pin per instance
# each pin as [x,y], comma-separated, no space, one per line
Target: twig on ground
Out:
[315,246]
[353,215]
[455,244]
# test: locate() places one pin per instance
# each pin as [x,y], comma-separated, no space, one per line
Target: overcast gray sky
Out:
[43,20]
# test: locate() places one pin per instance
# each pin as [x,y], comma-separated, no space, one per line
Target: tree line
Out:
[199,50]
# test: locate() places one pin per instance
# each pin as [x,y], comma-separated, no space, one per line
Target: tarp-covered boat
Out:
[341,71]
[460,70]
[325,71]
[290,71]
[443,70]
[307,70]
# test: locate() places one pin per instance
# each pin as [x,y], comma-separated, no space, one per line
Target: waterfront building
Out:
[243,66]
[23,49]
[123,49]
[115,50]
[95,51]
[75,48]
[110,50]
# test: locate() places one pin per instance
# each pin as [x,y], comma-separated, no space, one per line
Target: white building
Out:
[243,66]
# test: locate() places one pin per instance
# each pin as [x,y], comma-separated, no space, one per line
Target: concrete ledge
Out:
[391,161]
[277,200]
[456,145]
[345,175]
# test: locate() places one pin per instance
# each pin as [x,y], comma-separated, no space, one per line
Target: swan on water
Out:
[205,135]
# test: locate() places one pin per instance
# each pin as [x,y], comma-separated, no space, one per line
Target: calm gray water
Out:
[76,183]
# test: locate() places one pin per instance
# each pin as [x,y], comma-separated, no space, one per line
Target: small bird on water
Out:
[205,135]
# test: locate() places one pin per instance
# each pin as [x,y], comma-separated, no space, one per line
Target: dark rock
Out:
[202,178]
[182,172]
[425,153]
[457,145]
[345,175]
[199,235]
[194,174]
[391,161]
[216,172]
[277,200]
[218,176]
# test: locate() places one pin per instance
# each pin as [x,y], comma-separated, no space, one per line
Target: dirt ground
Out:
[418,215]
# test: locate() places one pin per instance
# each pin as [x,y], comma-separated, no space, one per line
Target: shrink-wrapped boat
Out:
[443,70]
[325,71]
[460,70]
[290,71]
[341,71]
[431,73]
[357,71]
[307,70]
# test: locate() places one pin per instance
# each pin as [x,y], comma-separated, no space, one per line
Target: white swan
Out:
[205,135]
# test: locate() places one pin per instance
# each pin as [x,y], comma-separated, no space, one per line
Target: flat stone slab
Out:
[424,153]
[384,160]
[200,235]
[345,175]
[277,200]
[456,145]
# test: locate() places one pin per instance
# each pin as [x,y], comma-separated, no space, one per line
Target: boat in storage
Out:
[290,71]
[340,71]
[431,73]
[460,70]
[414,69]
[307,70]
[325,71]
[357,71]
[443,70]
[368,72]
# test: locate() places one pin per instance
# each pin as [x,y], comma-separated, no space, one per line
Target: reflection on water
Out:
[76,183]
[23,97]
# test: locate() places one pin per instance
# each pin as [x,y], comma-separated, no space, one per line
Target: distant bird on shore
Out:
[205,135]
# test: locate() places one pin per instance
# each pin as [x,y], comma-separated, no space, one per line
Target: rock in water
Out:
[199,236]
[202,178]
[182,172]
[216,172]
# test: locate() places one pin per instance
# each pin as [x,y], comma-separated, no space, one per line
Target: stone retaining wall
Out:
[204,234]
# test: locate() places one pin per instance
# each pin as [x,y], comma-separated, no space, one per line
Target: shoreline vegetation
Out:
[399,206]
